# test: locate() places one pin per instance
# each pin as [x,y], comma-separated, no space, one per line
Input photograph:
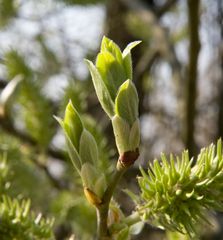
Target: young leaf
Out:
[111,71]
[126,102]
[74,156]
[127,60]
[108,45]
[101,90]
[72,125]
[134,137]
[89,175]
[88,148]
[100,185]
[121,130]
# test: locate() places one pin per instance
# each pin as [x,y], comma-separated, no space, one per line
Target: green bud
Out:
[112,68]
[121,130]
[100,185]
[72,125]
[102,92]
[88,148]
[75,158]
[126,139]
[107,45]
[126,102]
[94,183]
[111,71]
[134,136]
[89,175]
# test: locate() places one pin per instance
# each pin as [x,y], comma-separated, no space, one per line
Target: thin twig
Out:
[7,125]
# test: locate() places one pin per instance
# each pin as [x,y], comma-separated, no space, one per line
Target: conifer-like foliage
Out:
[177,196]
[17,221]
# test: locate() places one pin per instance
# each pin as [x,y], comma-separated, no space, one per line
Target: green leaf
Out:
[72,125]
[126,102]
[100,185]
[121,131]
[127,59]
[88,148]
[129,47]
[74,156]
[102,92]
[111,71]
[89,175]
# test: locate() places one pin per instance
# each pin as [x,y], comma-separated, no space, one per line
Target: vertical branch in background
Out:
[220,97]
[193,21]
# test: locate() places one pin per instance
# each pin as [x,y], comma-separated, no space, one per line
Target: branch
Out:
[144,65]
[102,210]
[193,15]
[7,125]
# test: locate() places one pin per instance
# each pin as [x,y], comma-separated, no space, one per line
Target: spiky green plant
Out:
[176,195]
[17,222]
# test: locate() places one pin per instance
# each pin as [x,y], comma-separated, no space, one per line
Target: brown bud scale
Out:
[128,158]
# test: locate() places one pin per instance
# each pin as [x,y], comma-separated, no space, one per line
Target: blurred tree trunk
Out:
[116,28]
[193,21]
[220,98]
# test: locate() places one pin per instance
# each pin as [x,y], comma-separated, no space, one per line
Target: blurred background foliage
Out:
[177,71]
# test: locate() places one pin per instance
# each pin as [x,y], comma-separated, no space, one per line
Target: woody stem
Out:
[102,209]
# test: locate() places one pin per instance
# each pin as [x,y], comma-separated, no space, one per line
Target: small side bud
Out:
[92,197]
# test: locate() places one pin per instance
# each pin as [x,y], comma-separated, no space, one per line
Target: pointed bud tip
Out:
[88,62]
